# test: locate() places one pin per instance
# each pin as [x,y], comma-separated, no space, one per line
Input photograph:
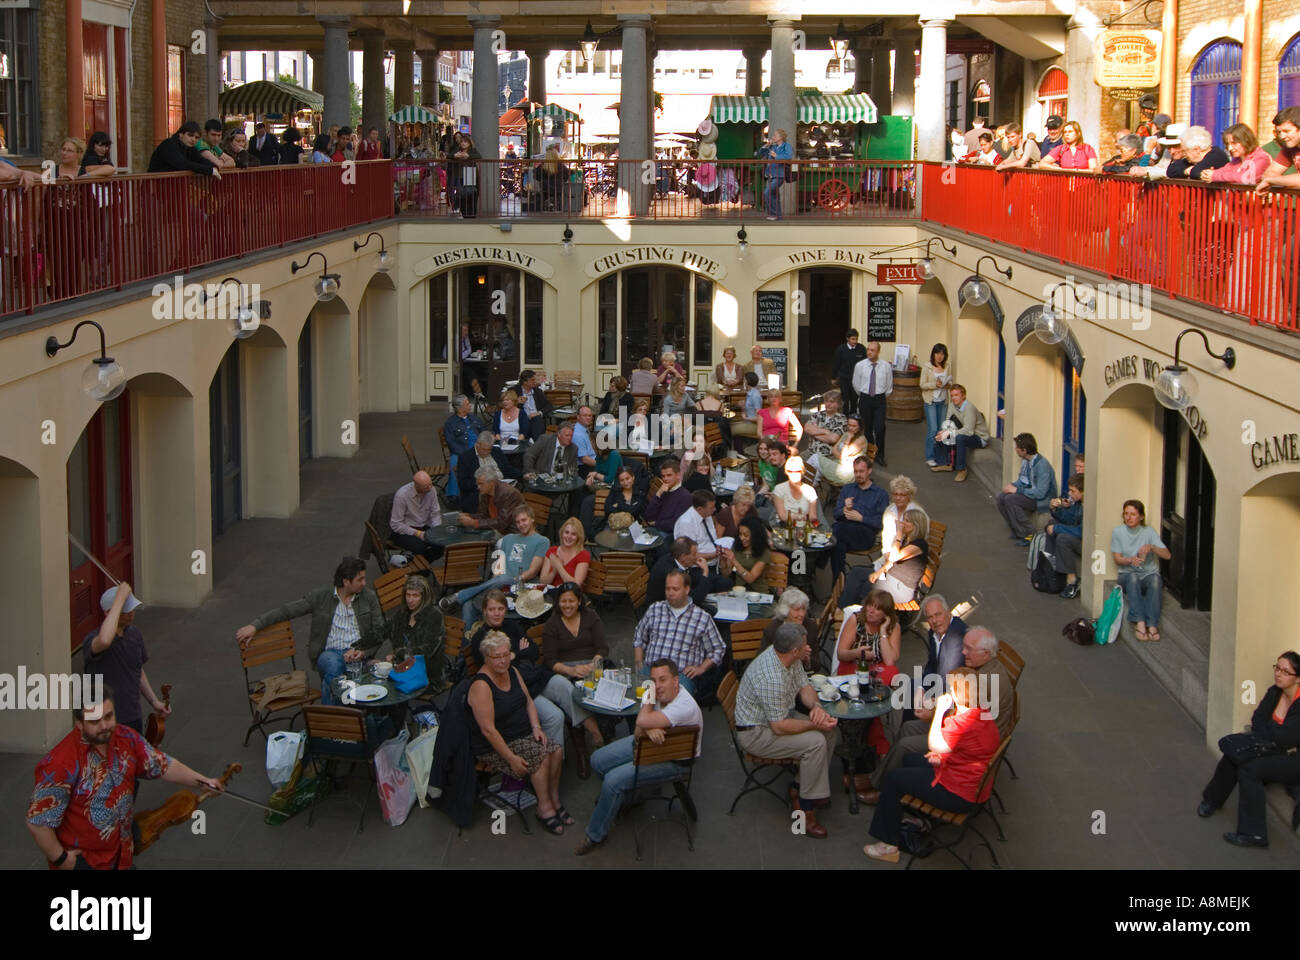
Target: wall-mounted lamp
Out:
[566,241]
[591,40]
[385,258]
[104,379]
[243,321]
[1050,326]
[842,37]
[1175,386]
[327,284]
[925,268]
[977,290]
[742,243]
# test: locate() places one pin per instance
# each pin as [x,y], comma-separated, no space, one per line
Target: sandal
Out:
[1141,633]
[564,816]
[1153,635]
[553,825]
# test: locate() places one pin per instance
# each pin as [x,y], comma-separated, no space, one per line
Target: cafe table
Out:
[757,611]
[580,694]
[387,706]
[855,718]
[622,540]
[818,543]
[448,534]
[557,487]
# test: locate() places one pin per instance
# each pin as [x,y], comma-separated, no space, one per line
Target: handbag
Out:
[1244,747]
[412,680]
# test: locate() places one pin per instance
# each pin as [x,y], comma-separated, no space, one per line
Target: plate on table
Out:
[828,696]
[369,692]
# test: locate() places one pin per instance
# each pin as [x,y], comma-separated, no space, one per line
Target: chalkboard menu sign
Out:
[780,359]
[882,316]
[771,315]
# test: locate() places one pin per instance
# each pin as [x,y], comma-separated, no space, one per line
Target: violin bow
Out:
[225,778]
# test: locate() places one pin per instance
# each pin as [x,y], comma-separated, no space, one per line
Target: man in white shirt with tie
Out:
[697,524]
[873,381]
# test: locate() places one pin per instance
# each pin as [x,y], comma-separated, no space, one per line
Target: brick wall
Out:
[183,17]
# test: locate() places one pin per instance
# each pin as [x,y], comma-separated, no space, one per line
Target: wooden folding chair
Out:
[1012,660]
[411,460]
[794,400]
[594,586]
[338,733]
[560,398]
[637,585]
[271,644]
[678,747]
[639,457]
[938,531]
[656,484]
[462,564]
[939,817]
[598,508]
[750,763]
[390,588]
[713,437]
[777,573]
[541,505]
[619,566]
[746,642]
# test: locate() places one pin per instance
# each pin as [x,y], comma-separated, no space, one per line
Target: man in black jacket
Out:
[685,557]
[467,465]
[177,152]
[265,145]
[847,355]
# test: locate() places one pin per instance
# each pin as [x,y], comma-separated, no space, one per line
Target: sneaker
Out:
[449,604]
[941,468]
[586,846]
[960,477]
[1071,591]
[1245,840]
[770,217]
[930,463]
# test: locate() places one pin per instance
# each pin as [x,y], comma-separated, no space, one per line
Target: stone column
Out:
[754,71]
[651,53]
[484,121]
[403,75]
[633,123]
[861,50]
[213,65]
[930,91]
[332,70]
[537,73]
[782,112]
[372,80]
[317,61]
[881,77]
[904,98]
[1085,96]
[429,95]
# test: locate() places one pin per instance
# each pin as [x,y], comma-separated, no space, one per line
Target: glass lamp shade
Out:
[244,324]
[103,380]
[977,291]
[326,288]
[1176,388]
[1050,328]
[840,47]
[1085,301]
[385,261]
[566,247]
[742,247]
[925,269]
[588,50]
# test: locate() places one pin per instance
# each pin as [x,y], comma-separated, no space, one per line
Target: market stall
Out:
[281,104]
[415,124]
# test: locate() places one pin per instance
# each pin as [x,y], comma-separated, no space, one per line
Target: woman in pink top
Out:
[1249,159]
[1073,154]
[778,420]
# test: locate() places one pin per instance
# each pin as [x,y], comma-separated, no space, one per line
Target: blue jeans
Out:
[933,417]
[1142,591]
[614,764]
[468,609]
[330,665]
[772,195]
[963,444]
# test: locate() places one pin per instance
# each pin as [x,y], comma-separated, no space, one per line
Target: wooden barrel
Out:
[904,404]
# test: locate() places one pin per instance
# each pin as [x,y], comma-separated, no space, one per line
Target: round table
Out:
[386,705]
[446,535]
[854,722]
[722,494]
[622,540]
[555,489]
[757,611]
[777,541]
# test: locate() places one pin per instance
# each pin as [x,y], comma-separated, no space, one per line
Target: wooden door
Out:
[99,512]
[94,39]
[225,447]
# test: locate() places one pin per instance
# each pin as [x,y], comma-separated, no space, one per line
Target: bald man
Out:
[415,510]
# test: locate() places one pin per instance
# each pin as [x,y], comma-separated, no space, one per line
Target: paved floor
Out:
[1110,767]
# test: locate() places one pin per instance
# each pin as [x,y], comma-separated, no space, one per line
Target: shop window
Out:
[1288,75]
[607,321]
[1074,422]
[175,88]
[832,68]
[19,104]
[1216,87]
[438,319]
[532,319]
[703,321]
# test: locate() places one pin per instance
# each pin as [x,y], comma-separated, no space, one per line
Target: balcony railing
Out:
[1223,246]
[656,190]
[71,238]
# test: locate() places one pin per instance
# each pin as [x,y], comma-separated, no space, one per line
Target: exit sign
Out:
[896,273]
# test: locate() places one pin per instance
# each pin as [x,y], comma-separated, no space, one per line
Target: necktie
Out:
[555,457]
[871,381]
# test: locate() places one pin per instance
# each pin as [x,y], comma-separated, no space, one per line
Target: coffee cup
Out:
[738,591]
[381,669]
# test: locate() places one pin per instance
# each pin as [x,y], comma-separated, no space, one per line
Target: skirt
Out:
[533,753]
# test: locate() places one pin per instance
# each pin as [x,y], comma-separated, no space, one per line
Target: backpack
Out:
[1045,578]
[1079,630]
[1112,617]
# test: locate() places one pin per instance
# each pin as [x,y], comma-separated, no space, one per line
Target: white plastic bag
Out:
[419,758]
[396,792]
[283,751]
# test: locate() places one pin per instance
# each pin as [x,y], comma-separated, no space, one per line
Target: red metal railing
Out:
[659,190]
[72,238]
[1223,246]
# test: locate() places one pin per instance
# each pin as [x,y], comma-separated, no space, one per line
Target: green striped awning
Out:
[845,108]
[555,110]
[414,114]
[268,97]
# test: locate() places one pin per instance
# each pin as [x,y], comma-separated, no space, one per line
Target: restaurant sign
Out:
[648,254]
[484,253]
[1128,58]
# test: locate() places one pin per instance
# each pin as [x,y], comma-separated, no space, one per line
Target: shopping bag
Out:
[1108,624]
[396,792]
[419,758]
[283,750]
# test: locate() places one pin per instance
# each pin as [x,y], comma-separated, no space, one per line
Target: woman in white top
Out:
[728,374]
[794,496]
[935,378]
[508,417]
[901,491]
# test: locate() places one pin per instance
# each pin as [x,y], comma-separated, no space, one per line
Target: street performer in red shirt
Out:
[82,805]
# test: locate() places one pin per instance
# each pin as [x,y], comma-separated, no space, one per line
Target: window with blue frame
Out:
[992,415]
[1074,423]
[1216,87]
[1288,75]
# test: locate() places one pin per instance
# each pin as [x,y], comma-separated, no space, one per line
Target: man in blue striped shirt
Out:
[676,629]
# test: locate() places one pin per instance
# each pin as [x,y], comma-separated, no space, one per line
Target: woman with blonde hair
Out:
[415,627]
[568,560]
[900,569]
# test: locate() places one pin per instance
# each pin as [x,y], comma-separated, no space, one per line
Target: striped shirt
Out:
[344,631]
[685,637]
[768,690]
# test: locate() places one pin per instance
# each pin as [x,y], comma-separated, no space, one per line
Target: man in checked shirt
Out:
[677,629]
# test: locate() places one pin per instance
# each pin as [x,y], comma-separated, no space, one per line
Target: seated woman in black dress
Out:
[1277,721]
[626,496]
[507,734]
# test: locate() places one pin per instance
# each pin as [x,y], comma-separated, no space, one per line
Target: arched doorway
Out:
[1054,94]
[378,349]
[979,360]
[1049,398]
[828,291]
[226,446]
[642,310]
[25,637]
[1216,87]
[1188,495]
[933,318]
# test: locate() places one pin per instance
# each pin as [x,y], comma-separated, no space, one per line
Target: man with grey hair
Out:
[415,510]
[980,648]
[1199,154]
[460,431]
[768,726]
[481,454]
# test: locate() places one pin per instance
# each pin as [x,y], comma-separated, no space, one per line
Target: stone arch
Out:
[933,318]
[379,345]
[335,379]
[20,593]
[978,352]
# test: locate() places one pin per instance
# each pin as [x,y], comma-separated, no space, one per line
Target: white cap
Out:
[1174,134]
[106,601]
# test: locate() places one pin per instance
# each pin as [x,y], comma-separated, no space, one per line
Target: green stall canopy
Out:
[829,108]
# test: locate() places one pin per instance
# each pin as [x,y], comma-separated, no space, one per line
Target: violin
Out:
[156,728]
[178,809]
